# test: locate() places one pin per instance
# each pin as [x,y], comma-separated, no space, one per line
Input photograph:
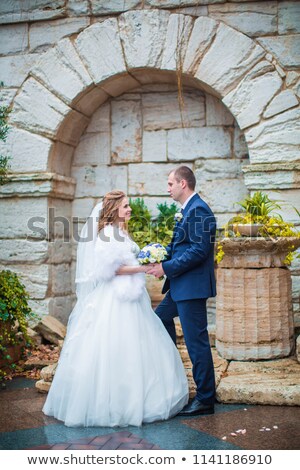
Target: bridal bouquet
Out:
[152,253]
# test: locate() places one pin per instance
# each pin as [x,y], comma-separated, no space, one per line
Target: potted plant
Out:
[259,219]
[257,210]
[14,315]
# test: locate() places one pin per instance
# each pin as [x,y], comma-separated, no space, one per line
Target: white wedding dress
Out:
[118,365]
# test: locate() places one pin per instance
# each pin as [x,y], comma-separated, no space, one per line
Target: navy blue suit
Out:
[190,281]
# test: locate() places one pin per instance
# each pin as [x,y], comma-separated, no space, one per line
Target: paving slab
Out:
[261,383]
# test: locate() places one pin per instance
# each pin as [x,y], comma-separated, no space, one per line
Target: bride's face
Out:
[124,210]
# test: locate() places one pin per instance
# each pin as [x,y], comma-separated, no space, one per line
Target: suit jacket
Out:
[190,264]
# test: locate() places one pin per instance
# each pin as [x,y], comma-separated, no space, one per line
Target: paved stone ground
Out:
[113,441]
[24,426]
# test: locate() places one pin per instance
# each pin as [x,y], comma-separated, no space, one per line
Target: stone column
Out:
[34,243]
[254,315]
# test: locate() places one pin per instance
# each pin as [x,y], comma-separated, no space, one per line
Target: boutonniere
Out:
[178,216]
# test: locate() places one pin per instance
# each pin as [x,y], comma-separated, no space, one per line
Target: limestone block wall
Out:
[134,140]
[76,71]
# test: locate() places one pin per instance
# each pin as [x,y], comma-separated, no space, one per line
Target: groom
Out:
[190,281]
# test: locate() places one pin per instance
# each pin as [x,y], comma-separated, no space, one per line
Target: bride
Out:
[118,365]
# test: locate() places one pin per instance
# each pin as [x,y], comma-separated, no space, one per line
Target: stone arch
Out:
[71,80]
[76,76]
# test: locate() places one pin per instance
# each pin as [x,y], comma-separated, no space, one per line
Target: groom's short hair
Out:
[185,173]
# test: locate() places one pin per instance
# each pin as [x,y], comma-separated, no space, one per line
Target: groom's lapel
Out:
[185,212]
[177,225]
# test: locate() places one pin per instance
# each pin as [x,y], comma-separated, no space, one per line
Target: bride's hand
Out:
[143,268]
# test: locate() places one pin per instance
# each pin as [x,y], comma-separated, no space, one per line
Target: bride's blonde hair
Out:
[109,213]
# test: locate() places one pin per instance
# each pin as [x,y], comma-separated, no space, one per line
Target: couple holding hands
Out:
[119,364]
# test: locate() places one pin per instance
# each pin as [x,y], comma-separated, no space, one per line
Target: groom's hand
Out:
[156,270]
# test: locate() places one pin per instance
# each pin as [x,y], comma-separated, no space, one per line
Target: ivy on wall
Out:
[4,129]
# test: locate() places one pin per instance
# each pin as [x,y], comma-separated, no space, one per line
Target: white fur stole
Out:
[113,250]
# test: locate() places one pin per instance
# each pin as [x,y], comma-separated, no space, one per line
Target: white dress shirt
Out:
[187,200]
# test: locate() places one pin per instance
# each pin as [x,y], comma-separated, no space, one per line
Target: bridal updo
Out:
[110,208]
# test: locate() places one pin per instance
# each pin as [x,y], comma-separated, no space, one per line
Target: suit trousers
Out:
[193,317]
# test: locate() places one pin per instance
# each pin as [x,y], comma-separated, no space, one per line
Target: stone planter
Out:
[254,316]
[247,230]
[154,287]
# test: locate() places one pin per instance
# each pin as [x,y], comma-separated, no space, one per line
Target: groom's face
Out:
[174,187]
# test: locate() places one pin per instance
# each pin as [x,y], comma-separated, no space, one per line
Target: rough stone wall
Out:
[271,92]
[144,133]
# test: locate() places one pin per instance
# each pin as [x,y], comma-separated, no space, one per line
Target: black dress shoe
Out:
[197,408]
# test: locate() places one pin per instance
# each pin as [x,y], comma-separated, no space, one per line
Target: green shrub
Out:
[145,229]
[14,315]
[140,224]
[164,223]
